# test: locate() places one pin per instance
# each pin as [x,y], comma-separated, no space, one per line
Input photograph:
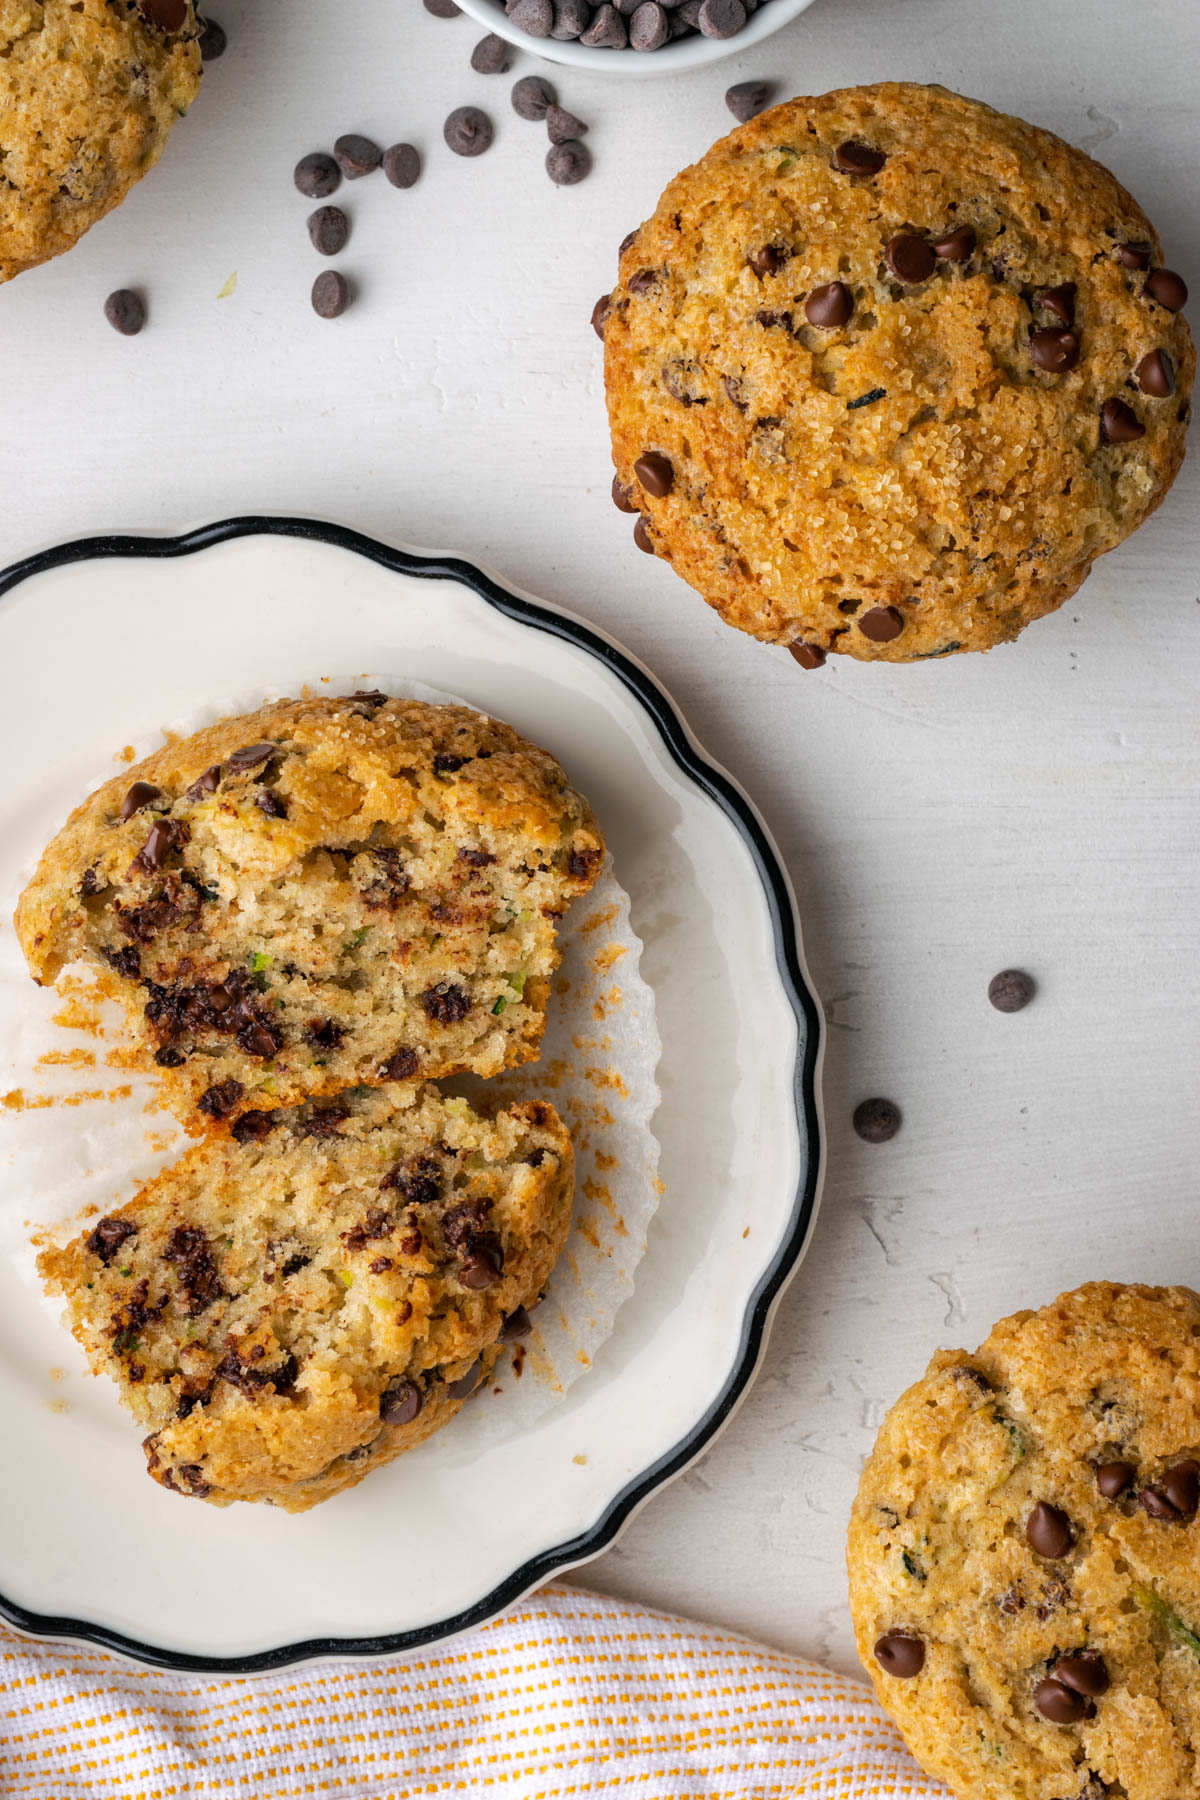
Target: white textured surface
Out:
[1038,806]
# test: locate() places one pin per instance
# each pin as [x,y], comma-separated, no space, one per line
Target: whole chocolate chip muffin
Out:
[90,91]
[887,370]
[1024,1554]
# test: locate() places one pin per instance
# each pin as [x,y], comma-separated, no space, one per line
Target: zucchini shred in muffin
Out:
[287,1313]
[321,894]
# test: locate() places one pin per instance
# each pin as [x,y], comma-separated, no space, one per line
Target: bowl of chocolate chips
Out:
[619,35]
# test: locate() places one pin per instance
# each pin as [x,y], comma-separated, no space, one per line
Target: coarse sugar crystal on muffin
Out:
[887,370]
[325,893]
[89,91]
[287,1313]
[1024,1554]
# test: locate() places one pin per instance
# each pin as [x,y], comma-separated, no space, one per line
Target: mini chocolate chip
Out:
[491,55]
[213,41]
[957,247]
[465,1386]
[205,784]
[329,229]
[400,1403]
[1169,289]
[721,18]
[1135,256]
[655,473]
[568,163]
[532,97]
[139,795]
[1048,1530]
[1119,424]
[853,158]
[877,1120]
[767,261]
[402,165]
[1011,990]
[317,176]
[1058,300]
[809,656]
[517,1325]
[1155,375]
[356,155]
[479,1271]
[1181,1485]
[881,624]
[830,306]
[622,496]
[1084,1672]
[330,294]
[250,756]
[166,15]
[563,125]
[468,131]
[642,538]
[1053,350]
[910,258]
[1056,1702]
[125,312]
[649,26]
[746,98]
[1112,1478]
[901,1654]
[535,17]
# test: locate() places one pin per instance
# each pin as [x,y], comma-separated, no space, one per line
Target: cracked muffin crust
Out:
[1024,1554]
[323,893]
[887,370]
[89,91]
[286,1314]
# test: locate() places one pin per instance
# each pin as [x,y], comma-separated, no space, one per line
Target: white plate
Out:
[103,640]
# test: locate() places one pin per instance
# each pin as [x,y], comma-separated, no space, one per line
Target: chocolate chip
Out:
[153,854]
[140,794]
[517,1325]
[1112,1478]
[1181,1486]
[568,163]
[330,294]
[642,538]
[853,158]
[958,247]
[250,756]
[491,55]
[317,175]
[1011,990]
[1048,1530]
[402,165]
[1169,289]
[465,1386]
[642,280]
[1058,300]
[571,19]
[356,155]
[479,1271]
[881,624]
[877,1120]
[622,496]
[443,9]
[1084,1672]
[901,1654]
[1135,256]
[910,258]
[1158,1506]
[1119,424]
[468,131]
[1053,350]
[655,473]
[767,261]
[532,97]
[125,312]
[219,1100]
[169,1058]
[722,18]
[329,229]
[213,41]
[205,784]
[606,31]
[809,656]
[830,306]
[399,1066]
[164,15]
[400,1403]
[446,1003]
[746,98]
[1155,375]
[1056,1702]
[534,17]
[600,313]
[563,125]
[649,27]
[107,1237]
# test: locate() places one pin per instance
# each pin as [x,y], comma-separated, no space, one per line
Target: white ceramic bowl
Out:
[682,53]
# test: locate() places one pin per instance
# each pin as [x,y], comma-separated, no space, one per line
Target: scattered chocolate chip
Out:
[877,1120]
[400,1403]
[125,312]
[622,496]
[219,1100]
[1155,375]
[532,97]
[881,624]
[402,165]
[1060,301]
[901,1654]
[140,794]
[1112,1478]
[910,258]
[746,98]
[205,784]
[1158,1506]
[568,163]
[606,31]
[1054,351]
[164,15]
[213,41]
[534,17]
[271,803]
[642,538]
[169,1058]
[160,841]
[479,1271]
[1048,1530]
[330,294]
[399,1066]
[600,313]
[1169,289]
[356,155]
[1084,1672]
[317,175]
[655,473]
[767,261]
[255,1128]
[250,756]
[465,1386]
[809,656]
[108,1236]
[491,55]
[1011,990]
[643,280]
[830,306]
[446,1003]
[853,158]
[329,229]
[517,1325]
[958,247]
[1181,1485]
[1135,256]
[468,131]
[563,125]
[1056,1702]
[1119,424]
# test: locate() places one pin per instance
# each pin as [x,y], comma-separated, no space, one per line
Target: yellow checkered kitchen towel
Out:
[569,1694]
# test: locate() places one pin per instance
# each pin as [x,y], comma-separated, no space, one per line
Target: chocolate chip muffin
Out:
[321,894]
[287,1314]
[90,91]
[887,370]
[1024,1554]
